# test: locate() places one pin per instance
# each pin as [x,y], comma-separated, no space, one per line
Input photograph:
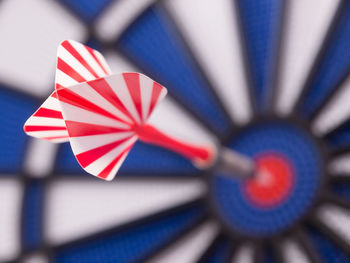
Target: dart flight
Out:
[102,115]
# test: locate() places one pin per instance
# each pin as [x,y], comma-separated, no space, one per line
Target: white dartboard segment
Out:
[337,219]
[104,205]
[30,32]
[190,248]
[293,253]
[210,27]
[306,25]
[336,112]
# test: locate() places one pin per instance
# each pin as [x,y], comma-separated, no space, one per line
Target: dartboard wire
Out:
[337,129]
[274,88]
[248,74]
[276,246]
[211,249]
[280,58]
[176,240]
[334,199]
[300,236]
[139,222]
[306,87]
[136,64]
[258,251]
[338,151]
[338,88]
[233,248]
[27,180]
[340,178]
[330,234]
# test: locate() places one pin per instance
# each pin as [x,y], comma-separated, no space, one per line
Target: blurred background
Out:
[267,78]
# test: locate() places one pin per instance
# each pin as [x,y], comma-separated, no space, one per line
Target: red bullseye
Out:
[273,181]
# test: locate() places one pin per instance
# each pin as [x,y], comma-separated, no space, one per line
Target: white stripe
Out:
[74,63]
[335,113]
[45,134]
[213,34]
[337,219]
[87,92]
[63,79]
[85,143]
[161,96]
[73,113]
[51,103]
[42,121]
[190,248]
[119,87]
[293,253]
[116,167]
[104,205]
[60,140]
[88,58]
[118,16]
[100,164]
[307,23]
[146,87]
[103,62]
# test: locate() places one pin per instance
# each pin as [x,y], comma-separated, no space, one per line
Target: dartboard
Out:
[268,79]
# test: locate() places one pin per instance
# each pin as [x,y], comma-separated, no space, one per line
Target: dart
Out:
[102,115]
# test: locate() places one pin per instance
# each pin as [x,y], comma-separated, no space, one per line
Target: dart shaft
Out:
[228,161]
[235,164]
[202,156]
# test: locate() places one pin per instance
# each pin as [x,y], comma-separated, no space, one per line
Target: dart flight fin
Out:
[76,63]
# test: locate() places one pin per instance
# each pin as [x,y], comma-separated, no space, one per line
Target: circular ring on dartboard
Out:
[290,174]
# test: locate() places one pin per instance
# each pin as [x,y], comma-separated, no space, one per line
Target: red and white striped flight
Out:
[76,63]
[102,115]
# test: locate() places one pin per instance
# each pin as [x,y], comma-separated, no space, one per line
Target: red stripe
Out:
[102,87]
[132,81]
[54,137]
[64,67]
[48,113]
[157,88]
[54,94]
[91,51]
[68,46]
[105,172]
[68,96]
[76,129]
[32,128]
[58,86]
[88,157]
